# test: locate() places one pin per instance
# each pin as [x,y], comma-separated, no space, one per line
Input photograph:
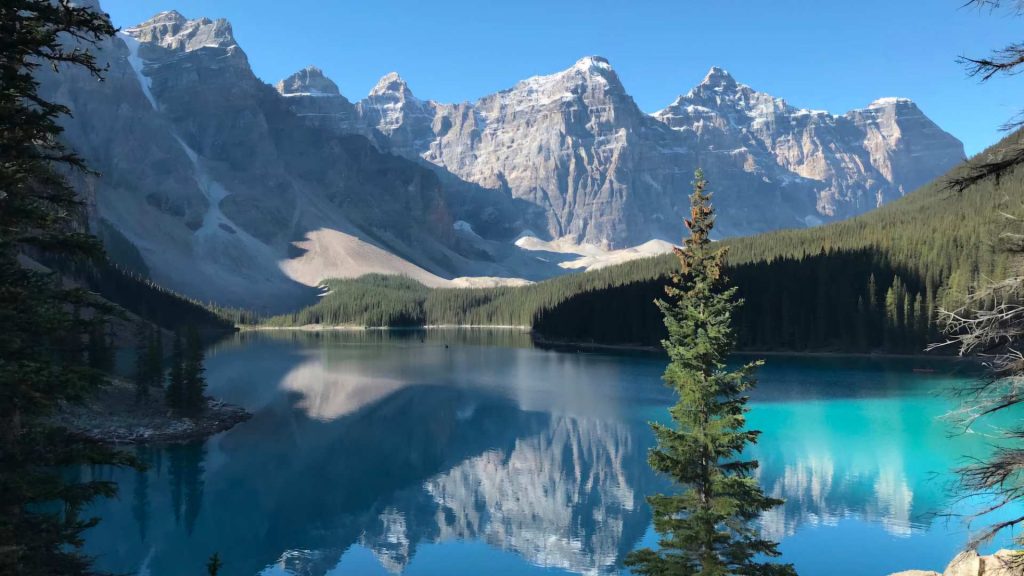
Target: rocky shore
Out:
[1002,563]
[115,417]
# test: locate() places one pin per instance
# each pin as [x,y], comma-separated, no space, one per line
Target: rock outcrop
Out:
[1002,563]
[855,161]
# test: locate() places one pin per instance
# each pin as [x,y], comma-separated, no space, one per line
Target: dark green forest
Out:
[871,283]
[149,301]
[378,300]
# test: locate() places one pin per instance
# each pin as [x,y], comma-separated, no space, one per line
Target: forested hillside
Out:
[869,283]
[377,300]
[147,300]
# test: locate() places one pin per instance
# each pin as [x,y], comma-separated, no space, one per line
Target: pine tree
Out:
[143,369]
[872,293]
[193,397]
[40,361]
[709,528]
[155,357]
[862,324]
[889,328]
[213,565]
[175,392]
[100,353]
[149,360]
[911,322]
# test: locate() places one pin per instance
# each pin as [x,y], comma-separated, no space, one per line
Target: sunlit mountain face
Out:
[227,189]
[458,452]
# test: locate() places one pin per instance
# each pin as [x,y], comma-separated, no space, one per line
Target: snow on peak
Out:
[310,81]
[593,64]
[889,101]
[718,77]
[391,83]
[592,71]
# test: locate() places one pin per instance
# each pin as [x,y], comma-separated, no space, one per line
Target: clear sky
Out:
[826,54]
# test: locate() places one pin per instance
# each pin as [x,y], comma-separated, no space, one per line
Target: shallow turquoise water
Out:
[448,453]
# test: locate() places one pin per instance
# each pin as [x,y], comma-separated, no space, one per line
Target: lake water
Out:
[472,452]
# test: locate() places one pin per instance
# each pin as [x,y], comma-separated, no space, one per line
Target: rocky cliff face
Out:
[576,146]
[853,162]
[231,190]
[226,192]
[317,100]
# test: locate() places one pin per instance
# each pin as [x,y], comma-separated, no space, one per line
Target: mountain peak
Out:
[593,64]
[173,31]
[166,17]
[718,78]
[391,83]
[310,81]
[890,102]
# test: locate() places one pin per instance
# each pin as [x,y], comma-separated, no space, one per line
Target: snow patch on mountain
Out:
[138,65]
[591,257]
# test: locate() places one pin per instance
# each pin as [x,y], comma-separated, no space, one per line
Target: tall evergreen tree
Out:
[149,360]
[100,352]
[174,394]
[155,357]
[194,382]
[708,528]
[40,364]
[141,363]
[143,366]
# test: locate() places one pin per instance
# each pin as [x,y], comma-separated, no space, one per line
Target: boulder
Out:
[1003,563]
[966,563]
[969,563]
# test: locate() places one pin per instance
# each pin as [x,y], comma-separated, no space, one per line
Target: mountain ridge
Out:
[836,165]
[247,194]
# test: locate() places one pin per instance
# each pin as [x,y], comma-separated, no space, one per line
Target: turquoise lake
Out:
[473,452]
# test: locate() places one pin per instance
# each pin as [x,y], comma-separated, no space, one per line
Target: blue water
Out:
[472,452]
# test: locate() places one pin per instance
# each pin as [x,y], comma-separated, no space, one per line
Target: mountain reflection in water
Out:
[447,452]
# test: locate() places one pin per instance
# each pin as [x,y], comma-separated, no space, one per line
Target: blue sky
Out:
[827,54]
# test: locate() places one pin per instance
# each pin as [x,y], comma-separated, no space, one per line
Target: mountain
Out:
[576,145]
[867,284]
[870,283]
[227,189]
[856,161]
[229,196]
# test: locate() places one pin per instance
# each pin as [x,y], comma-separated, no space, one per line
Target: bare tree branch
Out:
[990,164]
[989,324]
[1006,61]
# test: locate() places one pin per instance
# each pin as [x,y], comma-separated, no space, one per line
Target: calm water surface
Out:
[471,452]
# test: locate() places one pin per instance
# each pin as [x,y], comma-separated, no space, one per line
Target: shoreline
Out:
[114,417]
[542,342]
[777,353]
[352,328]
